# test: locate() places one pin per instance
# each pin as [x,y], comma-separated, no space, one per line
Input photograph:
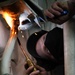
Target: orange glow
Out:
[8,17]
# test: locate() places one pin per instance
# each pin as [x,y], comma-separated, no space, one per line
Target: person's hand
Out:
[39,71]
[54,12]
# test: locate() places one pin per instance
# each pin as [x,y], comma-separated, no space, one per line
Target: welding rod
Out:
[29,61]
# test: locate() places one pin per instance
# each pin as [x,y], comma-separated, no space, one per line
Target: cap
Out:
[54,42]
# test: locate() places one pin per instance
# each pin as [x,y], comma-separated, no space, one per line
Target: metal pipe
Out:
[6,58]
[69,47]
[13,22]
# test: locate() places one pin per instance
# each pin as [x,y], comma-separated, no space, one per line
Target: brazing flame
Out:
[8,18]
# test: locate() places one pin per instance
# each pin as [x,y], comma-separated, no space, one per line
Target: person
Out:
[54,15]
[55,10]
[47,48]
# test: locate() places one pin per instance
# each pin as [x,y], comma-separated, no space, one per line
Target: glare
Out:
[8,18]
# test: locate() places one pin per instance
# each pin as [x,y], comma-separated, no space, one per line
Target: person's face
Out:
[42,50]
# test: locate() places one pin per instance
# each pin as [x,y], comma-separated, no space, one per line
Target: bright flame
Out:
[8,18]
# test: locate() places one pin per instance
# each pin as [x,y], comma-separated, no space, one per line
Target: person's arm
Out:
[54,12]
[39,71]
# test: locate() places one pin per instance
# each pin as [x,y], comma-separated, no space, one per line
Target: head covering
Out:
[54,43]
